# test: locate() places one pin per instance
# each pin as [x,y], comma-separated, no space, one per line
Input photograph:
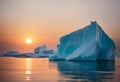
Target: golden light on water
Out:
[28,63]
[28,78]
[28,71]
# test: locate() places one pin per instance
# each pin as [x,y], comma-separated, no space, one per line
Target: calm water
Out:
[41,70]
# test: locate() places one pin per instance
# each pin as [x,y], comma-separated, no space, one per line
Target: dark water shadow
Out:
[87,71]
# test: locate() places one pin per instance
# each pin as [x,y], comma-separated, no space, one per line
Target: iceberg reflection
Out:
[87,71]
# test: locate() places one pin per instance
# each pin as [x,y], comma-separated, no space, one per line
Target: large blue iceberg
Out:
[90,43]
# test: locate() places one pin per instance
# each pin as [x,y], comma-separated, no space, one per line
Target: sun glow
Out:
[28,40]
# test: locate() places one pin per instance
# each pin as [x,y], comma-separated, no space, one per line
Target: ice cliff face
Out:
[90,43]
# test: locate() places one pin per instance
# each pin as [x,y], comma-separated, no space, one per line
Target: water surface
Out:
[41,70]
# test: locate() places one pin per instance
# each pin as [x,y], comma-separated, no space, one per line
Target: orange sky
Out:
[45,21]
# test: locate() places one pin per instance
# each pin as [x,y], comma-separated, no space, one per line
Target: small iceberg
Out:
[41,51]
[117,54]
[12,54]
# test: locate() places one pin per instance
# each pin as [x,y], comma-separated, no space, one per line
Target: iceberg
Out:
[12,54]
[42,51]
[117,54]
[1,55]
[90,43]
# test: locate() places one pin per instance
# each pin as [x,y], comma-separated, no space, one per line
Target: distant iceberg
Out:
[39,52]
[90,43]
[117,54]
[12,54]
[42,51]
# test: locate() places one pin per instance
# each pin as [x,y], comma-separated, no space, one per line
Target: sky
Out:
[45,21]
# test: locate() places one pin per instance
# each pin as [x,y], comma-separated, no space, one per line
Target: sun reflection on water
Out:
[28,78]
[28,71]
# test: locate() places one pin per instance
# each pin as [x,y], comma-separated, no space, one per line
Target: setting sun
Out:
[28,40]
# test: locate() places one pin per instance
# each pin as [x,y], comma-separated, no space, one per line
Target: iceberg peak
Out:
[93,23]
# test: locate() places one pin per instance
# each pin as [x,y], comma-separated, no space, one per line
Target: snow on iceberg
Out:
[90,43]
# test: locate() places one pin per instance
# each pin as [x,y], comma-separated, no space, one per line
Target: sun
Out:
[28,40]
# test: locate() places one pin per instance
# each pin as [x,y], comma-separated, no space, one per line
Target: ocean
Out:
[42,70]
